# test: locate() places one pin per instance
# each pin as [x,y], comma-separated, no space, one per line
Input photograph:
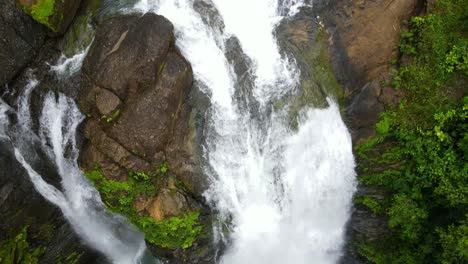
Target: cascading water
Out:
[78,200]
[285,193]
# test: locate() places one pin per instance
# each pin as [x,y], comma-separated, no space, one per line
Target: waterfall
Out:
[76,197]
[283,193]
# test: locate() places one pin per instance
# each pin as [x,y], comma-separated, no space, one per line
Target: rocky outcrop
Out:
[364,38]
[54,14]
[135,89]
[20,39]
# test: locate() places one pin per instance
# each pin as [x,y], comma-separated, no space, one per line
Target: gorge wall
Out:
[363,40]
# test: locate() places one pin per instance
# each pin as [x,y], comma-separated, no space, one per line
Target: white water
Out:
[285,193]
[79,202]
[66,67]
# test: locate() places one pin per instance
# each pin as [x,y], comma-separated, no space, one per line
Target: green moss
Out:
[72,258]
[81,33]
[18,251]
[42,11]
[318,80]
[173,232]
[111,118]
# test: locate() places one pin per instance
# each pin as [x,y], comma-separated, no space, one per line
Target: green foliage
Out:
[172,232]
[373,204]
[112,117]
[18,251]
[120,197]
[420,153]
[162,169]
[73,258]
[42,11]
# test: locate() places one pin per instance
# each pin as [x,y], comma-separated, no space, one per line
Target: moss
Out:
[72,258]
[120,197]
[17,250]
[111,118]
[81,32]
[42,11]
[318,80]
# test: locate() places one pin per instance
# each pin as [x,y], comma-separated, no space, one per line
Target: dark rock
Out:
[135,74]
[20,39]
[364,111]
[21,205]
[55,14]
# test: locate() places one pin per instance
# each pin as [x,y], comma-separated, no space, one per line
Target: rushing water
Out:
[285,193]
[79,202]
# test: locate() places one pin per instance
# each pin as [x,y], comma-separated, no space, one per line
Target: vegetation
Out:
[42,11]
[112,117]
[17,250]
[72,258]
[419,156]
[120,197]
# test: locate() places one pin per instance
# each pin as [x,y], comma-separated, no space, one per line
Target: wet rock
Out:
[54,14]
[364,111]
[363,39]
[21,205]
[136,91]
[168,204]
[369,32]
[20,39]
[134,68]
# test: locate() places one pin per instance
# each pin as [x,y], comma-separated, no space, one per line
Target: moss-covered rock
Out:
[81,32]
[305,38]
[54,14]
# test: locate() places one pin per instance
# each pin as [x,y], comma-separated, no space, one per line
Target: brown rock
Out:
[167,204]
[147,123]
[369,32]
[107,102]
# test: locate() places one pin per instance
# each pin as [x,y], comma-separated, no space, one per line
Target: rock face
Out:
[135,89]
[21,205]
[25,46]
[364,37]
[20,38]
[54,14]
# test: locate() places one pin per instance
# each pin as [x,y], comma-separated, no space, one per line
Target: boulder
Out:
[54,14]
[135,92]
[20,39]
